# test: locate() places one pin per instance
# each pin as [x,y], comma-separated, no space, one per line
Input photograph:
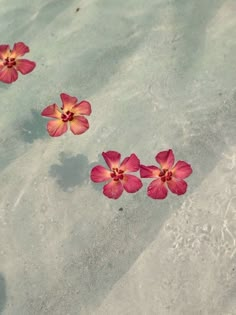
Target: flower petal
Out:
[25,66]
[56,127]
[166,159]
[130,164]
[182,170]
[112,158]
[99,174]
[19,49]
[83,108]
[8,75]
[79,125]
[4,51]
[51,111]
[113,189]
[177,187]
[157,189]
[131,183]
[68,101]
[150,171]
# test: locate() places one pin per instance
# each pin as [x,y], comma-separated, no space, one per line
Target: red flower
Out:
[71,112]
[119,180]
[10,64]
[166,176]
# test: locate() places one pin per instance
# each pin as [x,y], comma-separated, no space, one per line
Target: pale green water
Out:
[159,74]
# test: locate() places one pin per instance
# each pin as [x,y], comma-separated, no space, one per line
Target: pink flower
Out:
[117,175]
[71,112]
[168,176]
[10,62]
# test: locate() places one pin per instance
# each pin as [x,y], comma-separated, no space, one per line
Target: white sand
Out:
[159,74]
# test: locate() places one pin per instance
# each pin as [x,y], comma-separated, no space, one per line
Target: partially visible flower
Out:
[167,176]
[71,112]
[117,174]
[10,62]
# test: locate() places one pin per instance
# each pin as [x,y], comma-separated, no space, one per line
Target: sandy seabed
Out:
[159,74]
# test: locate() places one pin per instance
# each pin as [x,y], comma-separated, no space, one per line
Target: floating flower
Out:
[168,176]
[117,175]
[10,62]
[71,112]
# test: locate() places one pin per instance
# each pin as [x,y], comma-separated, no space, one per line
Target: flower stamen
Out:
[9,62]
[165,175]
[67,116]
[116,174]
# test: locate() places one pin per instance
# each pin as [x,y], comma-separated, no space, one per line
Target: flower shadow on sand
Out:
[2,293]
[73,171]
[32,128]
[4,86]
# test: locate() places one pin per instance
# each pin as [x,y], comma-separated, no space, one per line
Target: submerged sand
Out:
[159,74]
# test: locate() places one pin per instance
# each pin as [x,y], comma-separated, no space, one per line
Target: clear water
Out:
[159,74]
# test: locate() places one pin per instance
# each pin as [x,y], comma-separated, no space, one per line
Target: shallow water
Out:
[159,74]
